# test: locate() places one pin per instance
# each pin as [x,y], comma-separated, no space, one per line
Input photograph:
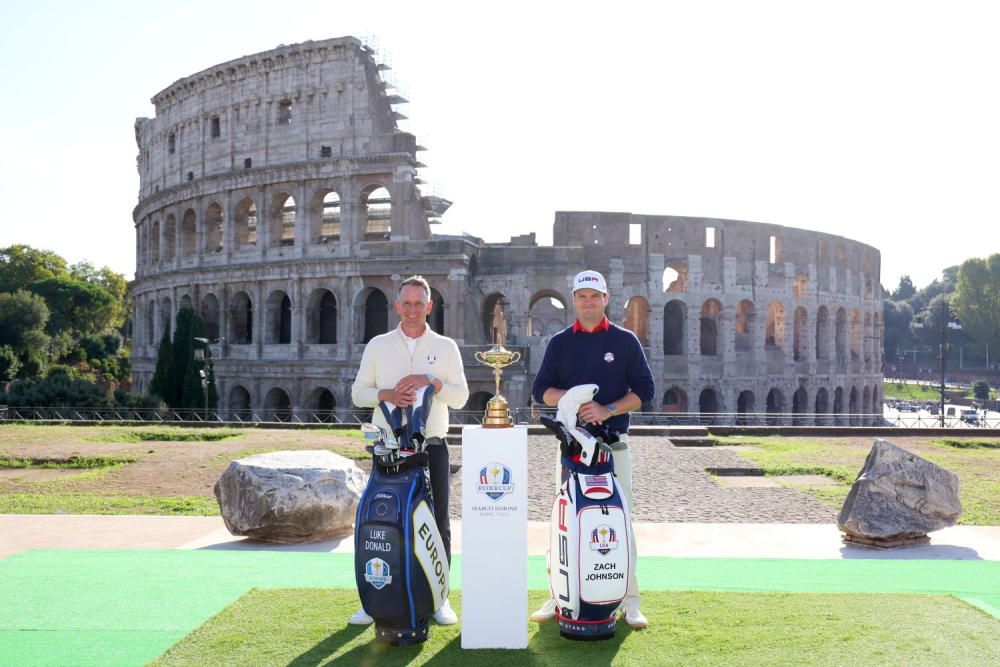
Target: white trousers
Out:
[623,471]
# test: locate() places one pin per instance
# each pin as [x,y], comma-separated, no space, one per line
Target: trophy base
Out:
[497,415]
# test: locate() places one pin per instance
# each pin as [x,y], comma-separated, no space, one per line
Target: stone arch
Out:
[800,288]
[154,246]
[184,302]
[189,234]
[490,304]
[278,319]
[210,314]
[674,325]
[245,223]
[166,316]
[324,212]
[746,325]
[376,314]
[320,405]
[824,332]
[277,405]
[151,323]
[866,401]
[637,319]
[852,404]
[775,336]
[436,319]
[800,402]
[708,403]
[377,205]
[213,227]
[675,400]
[477,403]
[775,402]
[877,339]
[546,311]
[838,403]
[240,403]
[822,401]
[283,212]
[746,403]
[711,329]
[321,317]
[800,334]
[855,335]
[168,249]
[841,335]
[241,319]
[675,278]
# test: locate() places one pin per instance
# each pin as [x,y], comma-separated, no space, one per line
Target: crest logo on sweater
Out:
[431,358]
[609,357]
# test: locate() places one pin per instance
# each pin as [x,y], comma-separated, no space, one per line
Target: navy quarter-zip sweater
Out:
[612,359]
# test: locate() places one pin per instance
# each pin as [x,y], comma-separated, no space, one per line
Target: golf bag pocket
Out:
[604,555]
[381,578]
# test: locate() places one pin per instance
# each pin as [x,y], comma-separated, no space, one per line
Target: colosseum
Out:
[279,199]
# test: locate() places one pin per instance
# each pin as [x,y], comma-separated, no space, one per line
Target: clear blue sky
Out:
[873,120]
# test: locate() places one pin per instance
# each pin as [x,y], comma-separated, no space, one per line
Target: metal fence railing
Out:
[521,416]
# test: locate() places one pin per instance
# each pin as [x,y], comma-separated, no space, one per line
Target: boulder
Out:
[898,496]
[300,496]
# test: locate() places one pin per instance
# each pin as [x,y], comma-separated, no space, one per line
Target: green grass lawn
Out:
[977,467]
[307,627]
[921,392]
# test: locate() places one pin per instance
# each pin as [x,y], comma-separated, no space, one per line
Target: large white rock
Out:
[899,495]
[296,496]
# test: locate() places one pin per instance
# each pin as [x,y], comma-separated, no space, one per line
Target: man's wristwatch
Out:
[430,378]
[612,408]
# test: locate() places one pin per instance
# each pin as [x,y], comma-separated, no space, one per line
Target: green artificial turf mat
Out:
[308,627]
[127,607]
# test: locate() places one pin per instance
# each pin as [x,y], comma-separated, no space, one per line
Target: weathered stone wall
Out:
[294,291]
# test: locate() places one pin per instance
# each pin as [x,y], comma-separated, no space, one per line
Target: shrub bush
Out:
[61,391]
[9,363]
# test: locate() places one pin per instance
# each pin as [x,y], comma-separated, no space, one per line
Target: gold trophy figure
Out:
[497,414]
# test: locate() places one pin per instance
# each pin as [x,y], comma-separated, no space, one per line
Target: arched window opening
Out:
[775,336]
[169,243]
[321,405]
[377,205]
[277,406]
[823,333]
[151,323]
[675,278]
[210,313]
[285,215]
[711,316]
[800,334]
[546,314]
[637,319]
[746,324]
[855,335]
[745,404]
[241,320]
[869,338]
[436,319]
[775,404]
[185,302]
[155,243]
[493,305]
[800,288]
[674,400]
[674,315]
[330,229]
[376,315]
[213,228]
[245,222]
[866,401]
[240,404]
[708,403]
[189,233]
[328,319]
[822,405]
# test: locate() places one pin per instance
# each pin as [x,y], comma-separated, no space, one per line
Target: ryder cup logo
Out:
[603,539]
[494,481]
[609,357]
[377,573]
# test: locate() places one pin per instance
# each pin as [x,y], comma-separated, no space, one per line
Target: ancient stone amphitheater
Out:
[279,199]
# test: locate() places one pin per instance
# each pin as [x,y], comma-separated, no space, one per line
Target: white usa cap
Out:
[590,280]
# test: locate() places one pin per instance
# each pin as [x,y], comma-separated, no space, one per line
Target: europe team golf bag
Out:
[589,552]
[400,564]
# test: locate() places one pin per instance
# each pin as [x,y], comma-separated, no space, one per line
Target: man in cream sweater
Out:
[393,367]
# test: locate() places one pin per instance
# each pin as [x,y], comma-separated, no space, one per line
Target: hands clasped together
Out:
[405,392]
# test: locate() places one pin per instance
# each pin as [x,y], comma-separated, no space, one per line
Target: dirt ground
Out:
[161,468]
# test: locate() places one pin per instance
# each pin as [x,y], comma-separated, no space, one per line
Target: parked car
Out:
[906,407]
[970,417]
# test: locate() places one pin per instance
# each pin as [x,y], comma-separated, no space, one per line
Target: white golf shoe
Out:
[546,613]
[446,615]
[360,617]
[633,617]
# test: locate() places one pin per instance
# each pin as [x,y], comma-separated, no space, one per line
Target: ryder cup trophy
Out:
[497,414]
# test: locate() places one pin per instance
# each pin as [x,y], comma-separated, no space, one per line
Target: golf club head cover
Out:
[394,418]
[569,404]
[416,417]
[568,446]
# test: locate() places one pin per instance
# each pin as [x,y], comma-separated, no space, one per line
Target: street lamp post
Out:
[946,323]
[206,372]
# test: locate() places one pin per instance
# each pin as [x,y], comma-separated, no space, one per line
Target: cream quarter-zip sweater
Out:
[387,360]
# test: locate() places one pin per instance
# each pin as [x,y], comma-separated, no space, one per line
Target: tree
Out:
[23,316]
[977,299]
[59,390]
[163,384]
[897,337]
[21,265]
[75,304]
[9,363]
[981,389]
[905,290]
[109,281]
[189,325]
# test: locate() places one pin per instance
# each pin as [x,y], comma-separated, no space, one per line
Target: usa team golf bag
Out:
[400,564]
[590,530]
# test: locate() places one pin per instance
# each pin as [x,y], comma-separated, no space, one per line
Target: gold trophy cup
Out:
[497,414]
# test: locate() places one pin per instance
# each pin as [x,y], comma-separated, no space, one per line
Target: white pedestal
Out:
[495,537]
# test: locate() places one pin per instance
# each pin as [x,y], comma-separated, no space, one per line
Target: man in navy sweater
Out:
[594,351]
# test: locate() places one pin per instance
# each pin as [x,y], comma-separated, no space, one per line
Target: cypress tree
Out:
[183,352]
[163,378]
